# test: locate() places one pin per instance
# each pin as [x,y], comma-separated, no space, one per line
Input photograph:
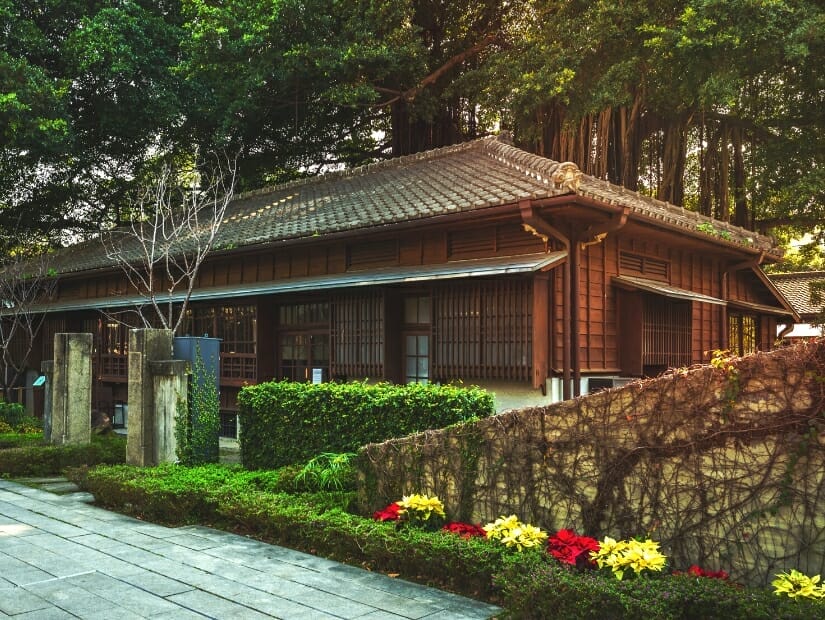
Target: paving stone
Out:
[215,606]
[122,594]
[52,613]
[157,584]
[114,566]
[18,600]
[60,488]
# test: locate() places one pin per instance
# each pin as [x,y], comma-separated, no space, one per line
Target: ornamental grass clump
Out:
[798,585]
[636,556]
[511,532]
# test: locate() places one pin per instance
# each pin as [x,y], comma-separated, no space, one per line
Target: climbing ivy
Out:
[197,420]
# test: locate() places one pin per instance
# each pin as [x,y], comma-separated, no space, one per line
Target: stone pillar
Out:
[145,346]
[71,406]
[47,368]
[170,382]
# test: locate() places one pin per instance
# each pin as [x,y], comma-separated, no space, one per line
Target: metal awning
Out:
[662,288]
[760,308]
[476,268]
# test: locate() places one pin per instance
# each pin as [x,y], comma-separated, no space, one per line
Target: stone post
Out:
[71,398]
[47,368]
[145,346]
[170,382]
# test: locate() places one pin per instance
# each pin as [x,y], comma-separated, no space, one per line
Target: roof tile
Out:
[469,176]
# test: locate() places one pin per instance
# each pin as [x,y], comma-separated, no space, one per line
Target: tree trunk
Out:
[740,201]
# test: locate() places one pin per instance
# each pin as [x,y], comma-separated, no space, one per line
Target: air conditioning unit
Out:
[590,385]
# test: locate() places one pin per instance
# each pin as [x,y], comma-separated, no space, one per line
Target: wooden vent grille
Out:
[644,265]
[483,331]
[372,254]
[358,336]
[501,240]
[471,243]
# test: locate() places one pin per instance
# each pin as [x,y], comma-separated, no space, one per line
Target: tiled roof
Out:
[796,287]
[465,177]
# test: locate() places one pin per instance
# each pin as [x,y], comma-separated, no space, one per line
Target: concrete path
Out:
[63,558]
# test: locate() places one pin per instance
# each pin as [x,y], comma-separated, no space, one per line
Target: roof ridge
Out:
[544,169]
[816,273]
[394,162]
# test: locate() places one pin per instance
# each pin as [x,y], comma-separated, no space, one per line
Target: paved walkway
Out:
[63,558]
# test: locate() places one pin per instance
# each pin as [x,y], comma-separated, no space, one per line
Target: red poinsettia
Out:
[697,571]
[465,530]
[390,513]
[568,547]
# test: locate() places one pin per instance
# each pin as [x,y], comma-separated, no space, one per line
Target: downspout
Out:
[591,236]
[534,223]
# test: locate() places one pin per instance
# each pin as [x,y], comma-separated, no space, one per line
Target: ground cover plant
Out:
[531,573]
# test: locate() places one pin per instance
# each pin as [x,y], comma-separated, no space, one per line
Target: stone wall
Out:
[723,464]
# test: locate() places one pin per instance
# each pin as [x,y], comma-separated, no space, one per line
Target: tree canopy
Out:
[716,105]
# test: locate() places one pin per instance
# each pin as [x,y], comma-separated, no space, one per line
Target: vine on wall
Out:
[725,464]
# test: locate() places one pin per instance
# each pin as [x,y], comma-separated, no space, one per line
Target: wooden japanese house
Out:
[478,262]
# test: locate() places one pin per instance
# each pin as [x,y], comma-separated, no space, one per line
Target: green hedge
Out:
[528,584]
[288,422]
[46,460]
[536,589]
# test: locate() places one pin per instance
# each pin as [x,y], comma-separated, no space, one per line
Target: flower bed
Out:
[530,573]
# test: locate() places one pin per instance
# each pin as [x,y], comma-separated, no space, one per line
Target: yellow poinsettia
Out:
[422,506]
[513,533]
[797,584]
[623,555]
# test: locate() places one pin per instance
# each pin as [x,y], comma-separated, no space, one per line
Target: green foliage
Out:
[329,472]
[198,422]
[288,422]
[10,439]
[46,460]
[528,583]
[15,419]
[533,588]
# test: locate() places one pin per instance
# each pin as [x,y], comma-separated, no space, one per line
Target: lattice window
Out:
[236,326]
[743,333]
[358,335]
[113,349]
[483,330]
[666,332]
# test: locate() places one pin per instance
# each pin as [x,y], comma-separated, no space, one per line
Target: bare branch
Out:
[173,227]
[23,284]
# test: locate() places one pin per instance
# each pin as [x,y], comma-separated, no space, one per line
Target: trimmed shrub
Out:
[46,460]
[287,422]
[10,439]
[540,589]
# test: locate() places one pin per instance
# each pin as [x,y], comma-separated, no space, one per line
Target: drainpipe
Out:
[593,235]
[785,331]
[570,318]
[539,226]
